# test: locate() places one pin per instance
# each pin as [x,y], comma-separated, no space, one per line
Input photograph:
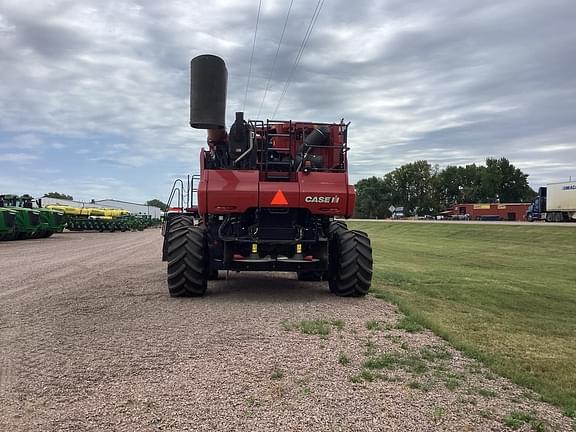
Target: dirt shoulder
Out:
[90,340]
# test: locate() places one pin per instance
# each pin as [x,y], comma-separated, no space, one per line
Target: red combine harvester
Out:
[268,193]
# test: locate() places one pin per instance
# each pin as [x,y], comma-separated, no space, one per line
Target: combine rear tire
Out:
[350,263]
[174,223]
[187,271]
[336,226]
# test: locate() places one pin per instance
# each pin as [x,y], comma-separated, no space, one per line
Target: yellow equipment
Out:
[104,213]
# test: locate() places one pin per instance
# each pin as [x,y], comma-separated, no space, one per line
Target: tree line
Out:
[424,189]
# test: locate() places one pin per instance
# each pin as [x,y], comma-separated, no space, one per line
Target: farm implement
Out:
[102,219]
[268,195]
[21,221]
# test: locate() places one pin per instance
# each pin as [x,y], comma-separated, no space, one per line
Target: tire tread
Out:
[351,274]
[186,252]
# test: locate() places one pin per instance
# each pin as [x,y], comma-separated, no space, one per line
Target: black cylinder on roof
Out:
[318,137]
[208,82]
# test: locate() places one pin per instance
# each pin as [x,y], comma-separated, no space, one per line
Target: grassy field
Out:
[503,294]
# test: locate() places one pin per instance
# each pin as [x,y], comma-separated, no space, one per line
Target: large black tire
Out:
[174,223]
[187,267]
[213,273]
[350,272]
[336,226]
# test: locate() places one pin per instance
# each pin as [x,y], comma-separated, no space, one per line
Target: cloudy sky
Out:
[94,93]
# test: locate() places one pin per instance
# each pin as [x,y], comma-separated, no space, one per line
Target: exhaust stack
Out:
[208,83]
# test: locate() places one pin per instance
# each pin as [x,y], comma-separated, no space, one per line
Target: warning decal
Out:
[279,199]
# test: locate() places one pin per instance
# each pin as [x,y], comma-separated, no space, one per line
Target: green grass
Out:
[371,348]
[277,374]
[374,325]
[517,419]
[487,393]
[252,401]
[313,327]
[504,294]
[364,375]
[432,353]
[452,383]
[343,359]
[420,385]
[338,324]
[409,324]
[408,362]
[439,412]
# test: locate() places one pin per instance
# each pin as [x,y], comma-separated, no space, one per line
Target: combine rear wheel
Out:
[350,263]
[186,250]
[336,227]
[174,223]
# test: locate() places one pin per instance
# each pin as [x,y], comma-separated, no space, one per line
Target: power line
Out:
[300,52]
[275,59]
[252,55]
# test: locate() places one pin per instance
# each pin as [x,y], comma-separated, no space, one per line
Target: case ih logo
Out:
[322,199]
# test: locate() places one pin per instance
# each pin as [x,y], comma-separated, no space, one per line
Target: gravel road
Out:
[90,340]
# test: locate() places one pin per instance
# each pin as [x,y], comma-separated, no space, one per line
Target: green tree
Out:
[157,203]
[502,181]
[448,186]
[413,187]
[422,188]
[58,195]
[472,184]
[371,194]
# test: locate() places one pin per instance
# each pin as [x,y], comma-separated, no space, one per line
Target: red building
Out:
[494,211]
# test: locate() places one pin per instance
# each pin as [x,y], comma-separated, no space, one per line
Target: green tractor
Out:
[22,221]
[51,221]
[27,219]
[7,224]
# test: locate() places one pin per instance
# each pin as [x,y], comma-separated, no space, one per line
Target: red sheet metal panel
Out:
[234,191]
[325,193]
[279,194]
[231,191]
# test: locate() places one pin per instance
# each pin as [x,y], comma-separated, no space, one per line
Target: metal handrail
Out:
[179,191]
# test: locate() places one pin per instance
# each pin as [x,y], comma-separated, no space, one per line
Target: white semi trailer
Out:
[555,203]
